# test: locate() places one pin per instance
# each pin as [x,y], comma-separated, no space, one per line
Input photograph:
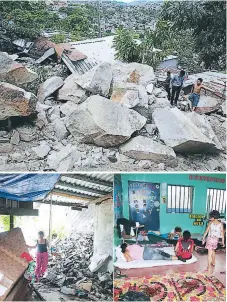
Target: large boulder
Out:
[159,93]
[180,133]
[71,91]
[133,73]
[201,121]
[13,72]
[126,94]
[141,148]
[130,95]
[15,101]
[97,80]
[49,87]
[102,122]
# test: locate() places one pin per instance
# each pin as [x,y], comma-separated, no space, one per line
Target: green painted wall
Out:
[169,220]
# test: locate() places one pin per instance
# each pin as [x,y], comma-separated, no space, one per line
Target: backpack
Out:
[185,248]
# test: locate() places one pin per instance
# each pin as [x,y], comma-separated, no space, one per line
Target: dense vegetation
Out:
[197,33]
[29,18]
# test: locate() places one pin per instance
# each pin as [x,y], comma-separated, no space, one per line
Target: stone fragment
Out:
[70,91]
[15,101]
[42,150]
[103,122]
[50,86]
[6,148]
[97,80]
[27,134]
[159,93]
[141,147]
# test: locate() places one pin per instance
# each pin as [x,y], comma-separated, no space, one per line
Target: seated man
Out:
[185,246]
[137,252]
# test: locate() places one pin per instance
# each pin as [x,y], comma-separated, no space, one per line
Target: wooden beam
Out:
[19,212]
[61,203]
[71,194]
[86,178]
[82,188]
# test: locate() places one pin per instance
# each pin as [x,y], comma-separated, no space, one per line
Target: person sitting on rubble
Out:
[127,226]
[41,256]
[136,252]
[195,93]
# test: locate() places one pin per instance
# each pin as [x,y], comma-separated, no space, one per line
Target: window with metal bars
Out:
[216,200]
[180,199]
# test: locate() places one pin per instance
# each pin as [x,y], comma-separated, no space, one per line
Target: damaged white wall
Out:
[103,232]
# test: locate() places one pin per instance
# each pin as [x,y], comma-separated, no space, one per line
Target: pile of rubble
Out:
[112,117]
[68,276]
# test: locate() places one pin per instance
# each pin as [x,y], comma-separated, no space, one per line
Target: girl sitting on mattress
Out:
[185,246]
[137,252]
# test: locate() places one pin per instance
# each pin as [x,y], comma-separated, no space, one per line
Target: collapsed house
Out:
[103,116]
[85,265]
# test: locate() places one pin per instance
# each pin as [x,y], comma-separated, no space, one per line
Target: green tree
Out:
[126,46]
[207,21]
[58,38]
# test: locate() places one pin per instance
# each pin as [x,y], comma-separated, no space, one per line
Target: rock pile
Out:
[113,117]
[69,275]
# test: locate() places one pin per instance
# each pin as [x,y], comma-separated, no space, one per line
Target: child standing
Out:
[214,232]
[41,256]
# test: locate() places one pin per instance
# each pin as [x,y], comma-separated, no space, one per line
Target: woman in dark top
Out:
[41,256]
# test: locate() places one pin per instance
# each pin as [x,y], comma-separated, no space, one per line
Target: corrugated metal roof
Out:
[81,188]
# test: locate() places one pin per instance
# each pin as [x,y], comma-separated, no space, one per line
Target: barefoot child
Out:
[41,256]
[214,232]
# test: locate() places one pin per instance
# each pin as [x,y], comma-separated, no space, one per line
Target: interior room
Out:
[157,212]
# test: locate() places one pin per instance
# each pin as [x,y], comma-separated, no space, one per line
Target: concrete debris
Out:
[97,80]
[207,104]
[27,134]
[142,148]
[64,159]
[159,103]
[15,101]
[180,133]
[69,273]
[223,108]
[49,87]
[71,91]
[103,122]
[15,138]
[42,150]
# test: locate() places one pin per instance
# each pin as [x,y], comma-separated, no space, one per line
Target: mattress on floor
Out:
[120,263]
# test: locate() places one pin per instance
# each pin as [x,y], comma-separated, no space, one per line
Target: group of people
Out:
[173,86]
[184,246]
[42,246]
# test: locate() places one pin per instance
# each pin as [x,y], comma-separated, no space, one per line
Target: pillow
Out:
[119,254]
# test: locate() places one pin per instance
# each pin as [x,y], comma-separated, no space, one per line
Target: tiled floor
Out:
[199,266]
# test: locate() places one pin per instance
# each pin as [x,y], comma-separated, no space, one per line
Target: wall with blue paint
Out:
[169,220]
